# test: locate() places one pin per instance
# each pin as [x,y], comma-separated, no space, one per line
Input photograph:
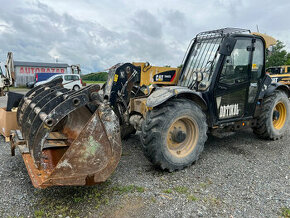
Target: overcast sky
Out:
[99,34]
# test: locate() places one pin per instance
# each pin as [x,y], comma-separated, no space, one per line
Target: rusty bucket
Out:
[67,137]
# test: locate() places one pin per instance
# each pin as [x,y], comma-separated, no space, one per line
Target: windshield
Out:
[200,62]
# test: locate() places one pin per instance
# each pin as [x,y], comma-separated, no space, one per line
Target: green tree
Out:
[278,55]
[288,59]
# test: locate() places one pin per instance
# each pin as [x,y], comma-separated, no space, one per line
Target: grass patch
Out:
[192,198]
[68,204]
[213,201]
[39,213]
[73,201]
[285,212]
[128,189]
[93,82]
[167,191]
[203,185]
[78,199]
[181,189]
[140,189]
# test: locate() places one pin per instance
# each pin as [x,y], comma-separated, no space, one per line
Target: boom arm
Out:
[10,75]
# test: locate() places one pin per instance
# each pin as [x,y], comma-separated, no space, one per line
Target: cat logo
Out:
[159,78]
[227,111]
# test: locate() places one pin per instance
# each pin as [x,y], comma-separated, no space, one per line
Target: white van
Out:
[69,81]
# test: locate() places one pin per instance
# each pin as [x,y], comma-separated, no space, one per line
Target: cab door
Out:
[232,86]
[257,74]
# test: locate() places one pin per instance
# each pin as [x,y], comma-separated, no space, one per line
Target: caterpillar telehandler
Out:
[280,74]
[74,137]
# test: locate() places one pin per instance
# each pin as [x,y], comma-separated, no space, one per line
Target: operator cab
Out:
[228,67]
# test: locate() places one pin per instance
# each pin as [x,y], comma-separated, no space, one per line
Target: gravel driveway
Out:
[236,176]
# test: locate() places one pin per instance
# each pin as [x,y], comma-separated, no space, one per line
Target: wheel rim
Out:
[279,115]
[182,136]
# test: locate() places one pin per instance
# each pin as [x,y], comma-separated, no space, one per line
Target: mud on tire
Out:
[271,124]
[157,134]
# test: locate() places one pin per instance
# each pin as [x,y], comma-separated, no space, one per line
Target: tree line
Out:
[98,76]
[278,55]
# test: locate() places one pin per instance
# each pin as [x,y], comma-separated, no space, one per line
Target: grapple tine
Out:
[30,94]
[44,125]
[43,105]
[34,101]
[63,102]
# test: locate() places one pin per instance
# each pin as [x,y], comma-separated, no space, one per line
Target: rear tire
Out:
[173,134]
[76,88]
[273,120]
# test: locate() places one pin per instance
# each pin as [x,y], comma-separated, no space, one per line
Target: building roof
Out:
[39,64]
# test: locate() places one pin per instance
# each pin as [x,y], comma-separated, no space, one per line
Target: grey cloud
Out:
[175,19]
[39,33]
[147,23]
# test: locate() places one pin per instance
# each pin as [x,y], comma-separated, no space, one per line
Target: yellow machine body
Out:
[157,75]
[280,74]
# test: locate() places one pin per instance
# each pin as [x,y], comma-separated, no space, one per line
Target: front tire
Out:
[273,120]
[173,134]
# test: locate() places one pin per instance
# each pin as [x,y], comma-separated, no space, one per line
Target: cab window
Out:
[256,70]
[258,61]
[235,69]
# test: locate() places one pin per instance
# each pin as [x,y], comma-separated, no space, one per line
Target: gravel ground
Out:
[236,176]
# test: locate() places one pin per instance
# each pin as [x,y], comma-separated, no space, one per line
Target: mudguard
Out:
[269,87]
[161,95]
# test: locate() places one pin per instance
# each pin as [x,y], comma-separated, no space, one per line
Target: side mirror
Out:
[227,46]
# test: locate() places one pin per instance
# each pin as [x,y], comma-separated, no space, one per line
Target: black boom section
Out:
[120,82]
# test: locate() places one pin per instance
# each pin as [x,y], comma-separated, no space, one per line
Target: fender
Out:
[269,87]
[162,94]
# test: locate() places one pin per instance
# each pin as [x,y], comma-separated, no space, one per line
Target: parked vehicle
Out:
[39,77]
[69,81]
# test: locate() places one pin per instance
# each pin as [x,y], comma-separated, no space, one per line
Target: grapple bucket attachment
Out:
[67,137]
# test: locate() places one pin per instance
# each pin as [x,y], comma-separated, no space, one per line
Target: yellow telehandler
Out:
[74,137]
